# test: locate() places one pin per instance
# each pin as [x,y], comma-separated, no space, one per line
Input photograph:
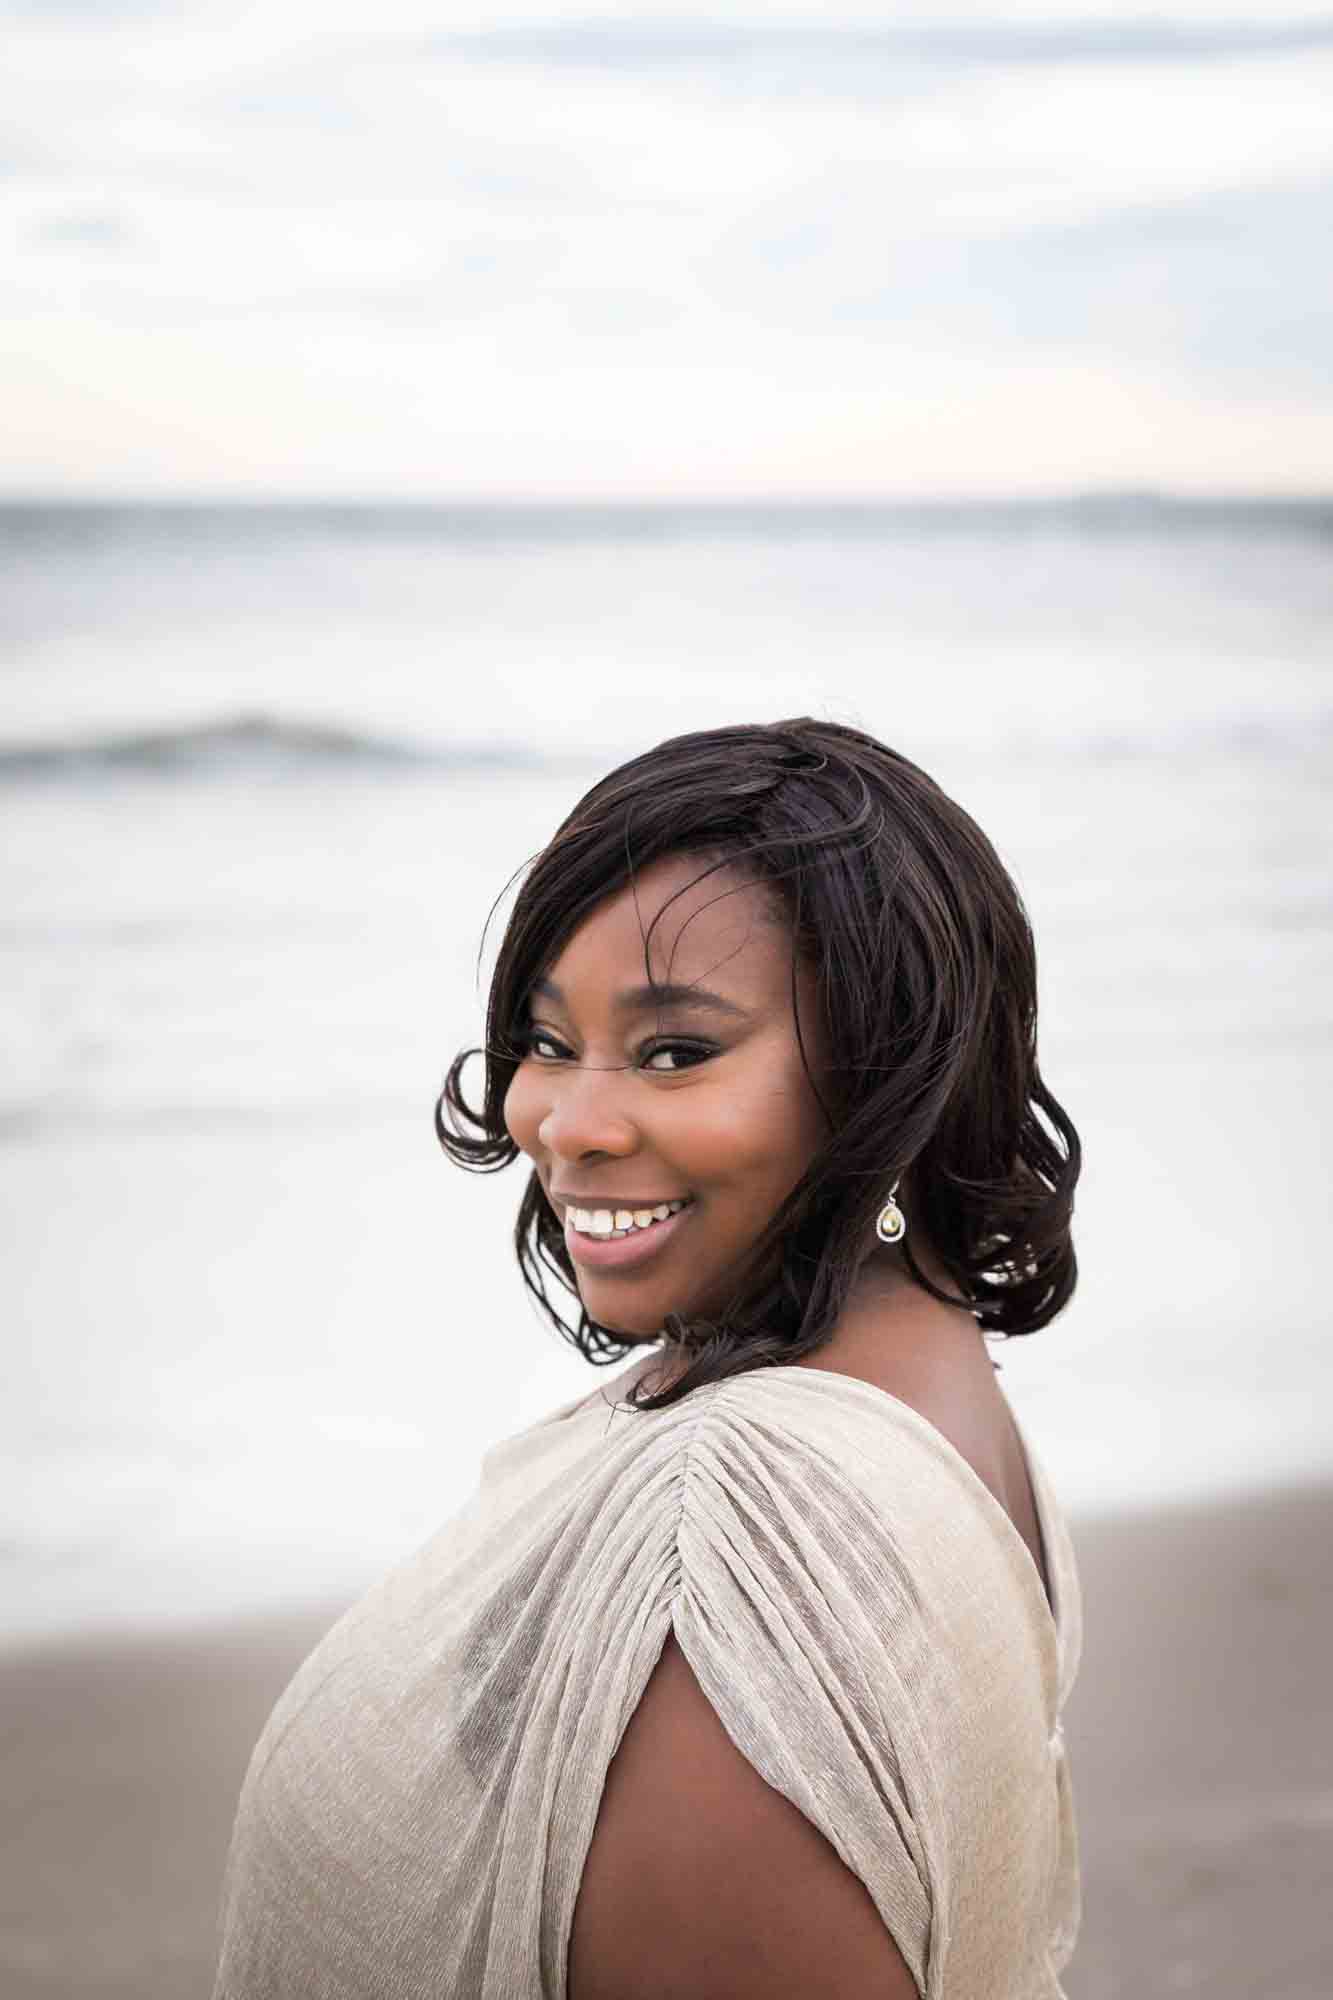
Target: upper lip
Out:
[614,1200]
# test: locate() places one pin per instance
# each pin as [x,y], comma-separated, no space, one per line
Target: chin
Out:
[639,1332]
[625,1320]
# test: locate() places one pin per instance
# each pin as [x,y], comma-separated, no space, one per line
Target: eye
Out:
[684,1055]
[529,1037]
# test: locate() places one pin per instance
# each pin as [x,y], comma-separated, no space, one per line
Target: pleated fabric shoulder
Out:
[859,1610]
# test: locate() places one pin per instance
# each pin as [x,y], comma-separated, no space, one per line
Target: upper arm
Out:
[704,1883]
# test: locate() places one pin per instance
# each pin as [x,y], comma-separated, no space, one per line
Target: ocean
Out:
[264,770]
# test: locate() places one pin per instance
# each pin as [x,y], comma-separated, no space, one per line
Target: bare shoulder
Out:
[702,1881]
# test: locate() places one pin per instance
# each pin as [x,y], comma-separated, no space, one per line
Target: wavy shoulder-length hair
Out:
[926,976]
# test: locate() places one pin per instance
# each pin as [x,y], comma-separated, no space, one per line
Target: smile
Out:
[610,1222]
[602,1239]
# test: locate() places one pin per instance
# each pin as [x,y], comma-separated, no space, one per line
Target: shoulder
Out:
[665,1909]
[799,1709]
[786,1476]
[827,1710]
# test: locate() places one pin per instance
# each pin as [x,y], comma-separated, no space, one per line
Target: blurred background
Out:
[403,417]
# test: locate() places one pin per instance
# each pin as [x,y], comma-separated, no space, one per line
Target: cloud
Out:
[1184,284]
[84,228]
[839,56]
[616,241]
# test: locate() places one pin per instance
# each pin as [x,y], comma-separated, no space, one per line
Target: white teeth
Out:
[620,1221]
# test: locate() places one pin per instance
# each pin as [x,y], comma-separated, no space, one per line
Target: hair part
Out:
[925,972]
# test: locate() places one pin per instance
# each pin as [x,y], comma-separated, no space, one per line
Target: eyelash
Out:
[701,1051]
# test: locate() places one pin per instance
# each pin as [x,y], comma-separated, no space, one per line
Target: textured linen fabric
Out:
[857,1606]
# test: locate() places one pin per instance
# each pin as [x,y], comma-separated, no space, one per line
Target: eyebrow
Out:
[642,999]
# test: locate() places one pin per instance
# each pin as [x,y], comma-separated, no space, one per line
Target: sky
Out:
[305,248]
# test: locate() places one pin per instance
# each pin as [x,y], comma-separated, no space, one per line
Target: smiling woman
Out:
[749,1679]
[787,951]
[631,1097]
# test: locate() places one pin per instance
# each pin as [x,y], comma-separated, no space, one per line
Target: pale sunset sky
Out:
[306,248]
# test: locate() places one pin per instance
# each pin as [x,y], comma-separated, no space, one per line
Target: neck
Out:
[887,1313]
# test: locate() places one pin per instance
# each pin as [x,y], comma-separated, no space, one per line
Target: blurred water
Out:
[259,1330]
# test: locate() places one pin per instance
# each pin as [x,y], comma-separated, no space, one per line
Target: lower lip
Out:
[618,1253]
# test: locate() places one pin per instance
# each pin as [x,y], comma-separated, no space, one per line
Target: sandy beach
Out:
[1201,1732]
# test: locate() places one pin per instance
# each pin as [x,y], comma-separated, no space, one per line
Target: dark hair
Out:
[927,984]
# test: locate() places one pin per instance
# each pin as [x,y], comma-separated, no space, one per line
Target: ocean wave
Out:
[254,744]
[57,1118]
[244,743]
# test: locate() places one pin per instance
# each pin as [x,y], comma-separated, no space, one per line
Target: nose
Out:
[586,1115]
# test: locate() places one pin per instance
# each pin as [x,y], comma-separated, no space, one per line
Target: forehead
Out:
[724,929]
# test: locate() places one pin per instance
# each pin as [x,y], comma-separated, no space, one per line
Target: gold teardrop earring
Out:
[891,1223]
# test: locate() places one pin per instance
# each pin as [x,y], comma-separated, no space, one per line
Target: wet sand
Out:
[1201,1734]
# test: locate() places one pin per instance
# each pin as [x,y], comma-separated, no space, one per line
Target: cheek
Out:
[755,1134]
[522,1111]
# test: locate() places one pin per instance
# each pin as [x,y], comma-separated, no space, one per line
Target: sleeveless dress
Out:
[859,1609]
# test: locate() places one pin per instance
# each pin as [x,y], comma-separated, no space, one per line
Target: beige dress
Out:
[856,1605]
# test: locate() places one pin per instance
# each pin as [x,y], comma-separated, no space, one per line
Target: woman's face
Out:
[629,1100]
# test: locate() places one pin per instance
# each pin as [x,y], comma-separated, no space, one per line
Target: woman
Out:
[742,1675]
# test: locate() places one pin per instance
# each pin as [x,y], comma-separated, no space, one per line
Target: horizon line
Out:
[1150,495]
